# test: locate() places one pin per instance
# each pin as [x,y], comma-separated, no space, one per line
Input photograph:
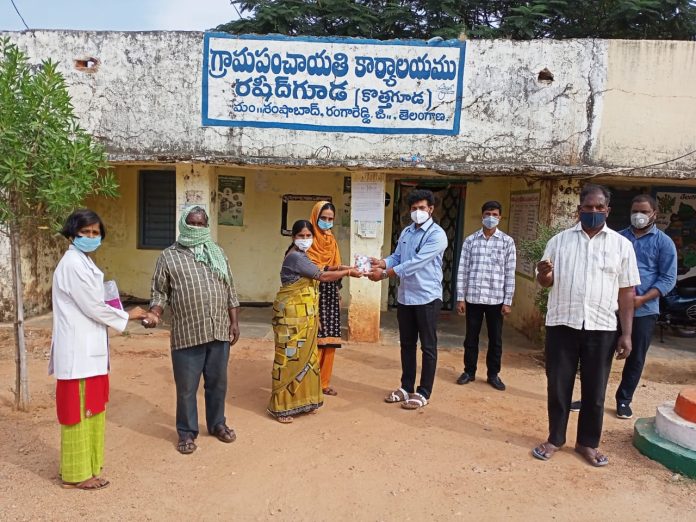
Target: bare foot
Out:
[285,420]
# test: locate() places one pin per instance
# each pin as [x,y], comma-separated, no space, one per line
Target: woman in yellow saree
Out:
[296,382]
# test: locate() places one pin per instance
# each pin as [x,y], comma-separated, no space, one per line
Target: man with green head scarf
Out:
[193,277]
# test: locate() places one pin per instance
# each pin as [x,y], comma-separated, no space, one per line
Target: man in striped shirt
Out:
[485,286]
[589,268]
[193,277]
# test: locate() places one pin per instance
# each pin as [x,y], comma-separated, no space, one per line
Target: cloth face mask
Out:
[592,220]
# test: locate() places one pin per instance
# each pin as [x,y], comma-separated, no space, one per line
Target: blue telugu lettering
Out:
[420,68]
[261,61]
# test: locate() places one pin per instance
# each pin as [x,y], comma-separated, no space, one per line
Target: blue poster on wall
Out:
[332,84]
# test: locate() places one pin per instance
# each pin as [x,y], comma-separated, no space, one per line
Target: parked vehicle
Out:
[678,309]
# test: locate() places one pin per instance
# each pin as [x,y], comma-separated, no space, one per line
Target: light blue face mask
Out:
[325,225]
[87,244]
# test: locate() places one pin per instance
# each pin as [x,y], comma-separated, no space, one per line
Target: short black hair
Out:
[592,188]
[492,205]
[80,219]
[645,198]
[419,195]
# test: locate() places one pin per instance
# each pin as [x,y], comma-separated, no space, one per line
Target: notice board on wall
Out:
[524,220]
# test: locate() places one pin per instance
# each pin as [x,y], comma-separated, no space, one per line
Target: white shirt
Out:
[587,275]
[79,347]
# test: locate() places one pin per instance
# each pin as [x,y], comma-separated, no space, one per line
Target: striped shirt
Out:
[200,300]
[486,273]
[587,275]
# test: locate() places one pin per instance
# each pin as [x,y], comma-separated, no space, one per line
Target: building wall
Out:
[649,113]
[256,249]
[144,99]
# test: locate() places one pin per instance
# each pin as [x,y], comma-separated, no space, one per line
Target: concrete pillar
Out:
[365,296]
[563,202]
[196,185]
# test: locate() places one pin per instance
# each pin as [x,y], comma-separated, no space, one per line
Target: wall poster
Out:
[524,219]
[231,200]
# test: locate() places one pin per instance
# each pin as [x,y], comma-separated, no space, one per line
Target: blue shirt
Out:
[420,272]
[657,265]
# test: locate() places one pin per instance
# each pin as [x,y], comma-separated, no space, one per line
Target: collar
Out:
[497,233]
[85,259]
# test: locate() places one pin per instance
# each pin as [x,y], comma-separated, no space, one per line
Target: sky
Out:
[116,15]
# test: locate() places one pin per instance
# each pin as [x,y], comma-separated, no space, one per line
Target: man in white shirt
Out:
[485,286]
[589,268]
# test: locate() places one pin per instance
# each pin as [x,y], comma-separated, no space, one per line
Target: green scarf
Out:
[204,249]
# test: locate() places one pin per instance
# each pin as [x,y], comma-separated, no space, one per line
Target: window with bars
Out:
[156,208]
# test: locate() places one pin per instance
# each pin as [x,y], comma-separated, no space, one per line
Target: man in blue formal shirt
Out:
[657,264]
[417,262]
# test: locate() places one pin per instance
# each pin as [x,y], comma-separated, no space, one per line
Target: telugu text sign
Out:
[330,84]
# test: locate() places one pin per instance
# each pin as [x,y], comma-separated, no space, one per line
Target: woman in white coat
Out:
[79,352]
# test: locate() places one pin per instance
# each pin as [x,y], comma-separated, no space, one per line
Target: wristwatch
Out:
[385,274]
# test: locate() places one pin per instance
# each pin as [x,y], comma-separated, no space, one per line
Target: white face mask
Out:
[640,220]
[419,216]
[303,244]
[490,222]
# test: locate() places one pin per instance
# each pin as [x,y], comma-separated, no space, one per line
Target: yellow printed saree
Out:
[296,386]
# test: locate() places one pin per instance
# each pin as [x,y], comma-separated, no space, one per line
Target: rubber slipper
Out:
[542,452]
[91,484]
[596,459]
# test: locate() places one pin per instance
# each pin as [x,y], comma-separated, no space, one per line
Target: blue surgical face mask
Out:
[87,244]
[325,225]
[592,220]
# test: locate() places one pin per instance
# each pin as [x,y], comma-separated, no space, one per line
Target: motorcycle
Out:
[678,309]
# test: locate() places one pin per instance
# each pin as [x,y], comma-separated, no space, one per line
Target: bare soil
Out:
[465,456]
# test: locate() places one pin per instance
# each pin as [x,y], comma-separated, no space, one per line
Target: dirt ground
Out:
[465,456]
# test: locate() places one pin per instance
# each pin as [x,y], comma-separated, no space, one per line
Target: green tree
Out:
[48,165]
[387,19]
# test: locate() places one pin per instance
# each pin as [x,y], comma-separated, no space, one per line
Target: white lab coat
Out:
[79,348]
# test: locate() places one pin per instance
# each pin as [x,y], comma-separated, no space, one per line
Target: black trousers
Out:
[494,324]
[593,349]
[418,321]
[643,328]
[209,360]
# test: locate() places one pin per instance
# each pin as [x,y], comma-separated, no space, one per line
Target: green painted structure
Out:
[670,455]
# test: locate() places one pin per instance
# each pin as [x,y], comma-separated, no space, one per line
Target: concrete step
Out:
[670,455]
[673,428]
